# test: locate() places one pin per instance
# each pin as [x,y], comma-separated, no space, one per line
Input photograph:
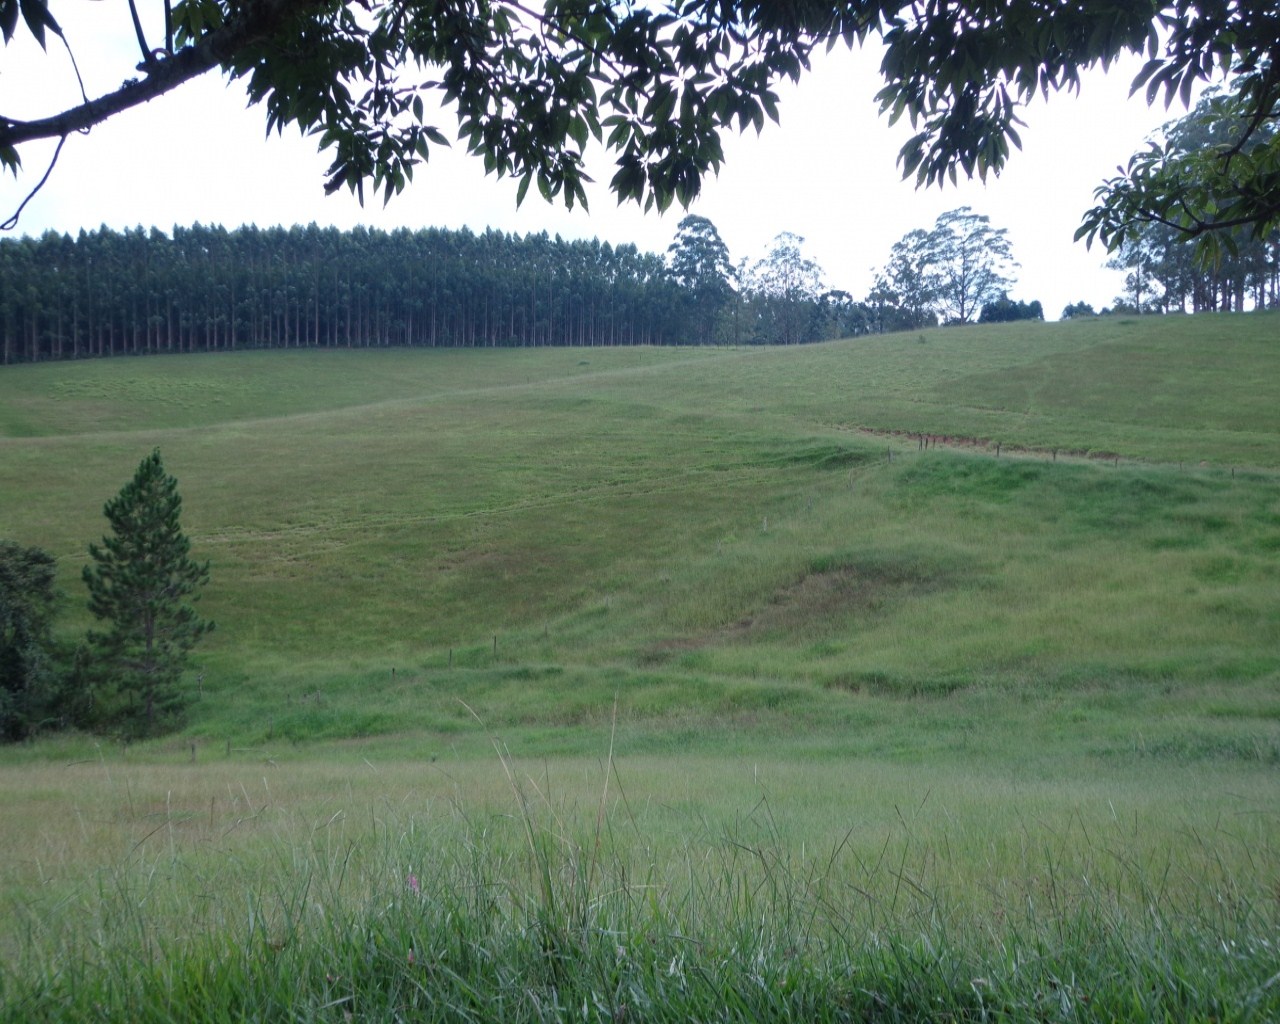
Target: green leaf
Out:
[8,18]
[36,14]
[770,102]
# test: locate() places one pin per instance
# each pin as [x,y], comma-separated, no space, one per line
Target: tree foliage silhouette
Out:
[657,84]
[28,675]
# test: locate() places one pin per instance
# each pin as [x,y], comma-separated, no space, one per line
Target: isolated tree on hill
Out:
[27,670]
[140,583]
[699,262]
[656,83]
[910,281]
[952,271]
[786,286]
[972,261]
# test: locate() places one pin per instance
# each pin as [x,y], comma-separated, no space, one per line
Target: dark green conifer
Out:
[27,672]
[141,584]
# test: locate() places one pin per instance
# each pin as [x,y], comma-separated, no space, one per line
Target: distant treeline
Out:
[211,289]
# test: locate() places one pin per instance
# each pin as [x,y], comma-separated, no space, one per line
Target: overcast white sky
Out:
[827,173]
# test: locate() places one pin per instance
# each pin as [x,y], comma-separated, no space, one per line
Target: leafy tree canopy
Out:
[698,257]
[1077,309]
[1214,177]
[787,288]
[952,270]
[656,83]
[785,272]
[1006,310]
[972,260]
[909,282]
[699,262]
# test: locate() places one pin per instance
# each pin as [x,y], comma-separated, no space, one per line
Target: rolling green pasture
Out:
[686,684]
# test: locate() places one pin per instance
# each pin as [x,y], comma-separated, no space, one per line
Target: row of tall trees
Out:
[208,288]
[780,299]
[1165,275]
[957,272]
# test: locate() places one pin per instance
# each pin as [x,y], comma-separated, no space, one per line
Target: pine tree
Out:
[139,586]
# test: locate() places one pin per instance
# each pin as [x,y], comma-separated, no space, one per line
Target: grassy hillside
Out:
[798,719]
[707,529]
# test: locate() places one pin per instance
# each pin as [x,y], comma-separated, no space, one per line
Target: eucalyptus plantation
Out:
[140,584]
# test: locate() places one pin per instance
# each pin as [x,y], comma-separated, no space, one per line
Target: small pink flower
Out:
[412,959]
[413,882]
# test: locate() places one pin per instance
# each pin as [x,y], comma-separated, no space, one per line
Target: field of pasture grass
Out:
[923,677]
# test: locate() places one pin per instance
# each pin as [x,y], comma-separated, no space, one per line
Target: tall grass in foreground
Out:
[942,736]
[743,937]
[559,906]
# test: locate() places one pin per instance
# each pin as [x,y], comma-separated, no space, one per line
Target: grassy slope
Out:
[705,530]
[1015,706]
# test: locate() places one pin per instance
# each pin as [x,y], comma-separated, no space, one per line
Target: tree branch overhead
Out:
[531,87]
